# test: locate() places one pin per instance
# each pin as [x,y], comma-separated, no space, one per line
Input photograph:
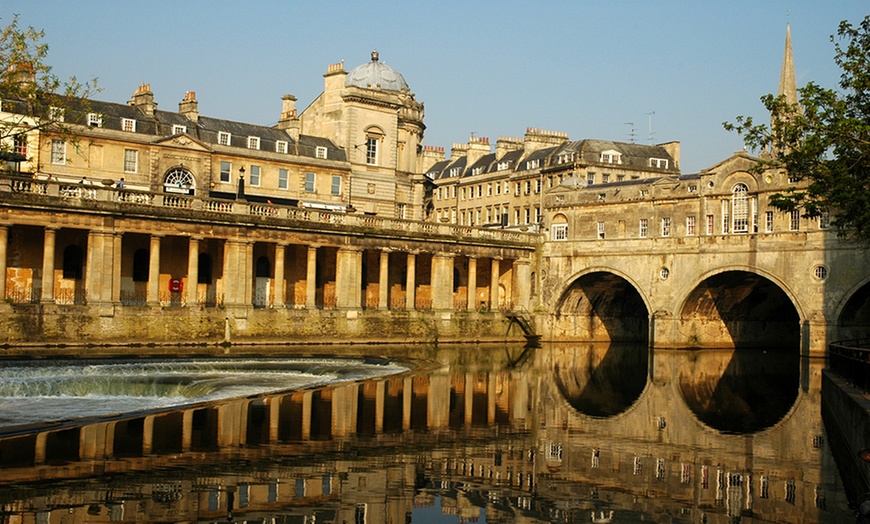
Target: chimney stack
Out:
[188,106]
[143,99]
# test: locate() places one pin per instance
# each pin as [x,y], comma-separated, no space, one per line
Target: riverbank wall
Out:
[50,324]
[846,413]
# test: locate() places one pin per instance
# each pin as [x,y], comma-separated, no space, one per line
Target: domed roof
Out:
[375,75]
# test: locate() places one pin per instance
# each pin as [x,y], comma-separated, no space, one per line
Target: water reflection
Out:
[478,435]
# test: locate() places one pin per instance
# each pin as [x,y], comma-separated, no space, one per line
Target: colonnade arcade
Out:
[148,263]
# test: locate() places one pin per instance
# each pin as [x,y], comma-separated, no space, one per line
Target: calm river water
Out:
[420,434]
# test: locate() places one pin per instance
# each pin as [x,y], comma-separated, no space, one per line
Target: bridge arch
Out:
[852,314]
[740,307]
[601,304]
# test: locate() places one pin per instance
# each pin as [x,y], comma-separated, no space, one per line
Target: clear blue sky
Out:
[488,68]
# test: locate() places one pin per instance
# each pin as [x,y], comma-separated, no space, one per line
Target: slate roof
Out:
[633,155]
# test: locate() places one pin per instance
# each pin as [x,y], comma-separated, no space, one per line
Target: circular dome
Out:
[375,75]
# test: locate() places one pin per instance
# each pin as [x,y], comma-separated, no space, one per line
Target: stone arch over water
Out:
[740,309]
[601,306]
[853,319]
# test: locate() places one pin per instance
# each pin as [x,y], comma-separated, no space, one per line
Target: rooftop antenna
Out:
[650,115]
[631,133]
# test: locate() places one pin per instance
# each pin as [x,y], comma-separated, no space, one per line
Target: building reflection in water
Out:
[561,433]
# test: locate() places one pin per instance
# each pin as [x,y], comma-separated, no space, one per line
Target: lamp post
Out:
[241,192]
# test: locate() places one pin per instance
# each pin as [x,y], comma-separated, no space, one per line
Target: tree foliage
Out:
[29,90]
[823,142]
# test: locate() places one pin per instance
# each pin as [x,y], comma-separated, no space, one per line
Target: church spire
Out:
[787,82]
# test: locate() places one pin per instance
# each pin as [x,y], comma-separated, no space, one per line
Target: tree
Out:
[32,97]
[823,142]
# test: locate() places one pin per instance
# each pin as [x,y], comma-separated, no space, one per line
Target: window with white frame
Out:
[178,129]
[661,163]
[454,172]
[537,186]
[20,144]
[336,184]
[600,230]
[527,216]
[710,224]
[477,170]
[559,228]
[131,160]
[401,210]
[128,124]
[643,227]
[794,220]
[498,188]
[537,214]
[224,138]
[281,147]
[824,220]
[503,165]
[690,225]
[590,178]
[56,114]
[666,226]
[253,142]
[95,120]
[58,152]
[372,144]
[320,152]
[226,168]
[740,208]
[610,157]
[753,214]
[605,178]
[533,164]
[489,190]
[309,182]
[726,219]
[254,179]
[528,187]
[768,221]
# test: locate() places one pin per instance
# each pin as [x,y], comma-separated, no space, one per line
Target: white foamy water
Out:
[33,392]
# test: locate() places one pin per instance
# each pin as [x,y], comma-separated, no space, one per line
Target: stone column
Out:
[4,240]
[117,242]
[192,271]
[523,284]
[153,296]
[186,429]
[384,281]
[442,282]
[380,398]
[472,283]
[493,285]
[407,397]
[237,273]
[147,434]
[48,265]
[100,264]
[311,279]
[279,275]
[348,278]
[248,273]
[469,399]
[410,282]
[306,414]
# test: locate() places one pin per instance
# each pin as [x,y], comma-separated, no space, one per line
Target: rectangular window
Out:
[255,176]
[177,129]
[605,178]
[620,178]
[223,138]
[559,231]
[643,227]
[95,120]
[794,220]
[690,225]
[666,226]
[768,221]
[253,142]
[661,163]
[527,215]
[401,210]
[283,179]
[498,188]
[528,187]
[320,152]
[309,182]
[336,184]
[20,144]
[131,160]
[55,114]
[517,216]
[537,215]
[824,220]
[725,217]
[537,186]
[226,167]
[601,231]
[590,178]
[128,124]
[58,152]
[489,190]
[281,147]
[372,151]
[710,222]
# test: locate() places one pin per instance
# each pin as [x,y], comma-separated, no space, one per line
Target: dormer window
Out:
[281,146]
[320,152]
[224,138]
[477,170]
[55,114]
[503,165]
[95,120]
[454,172]
[565,158]
[533,164]
[610,157]
[128,124]
[178,129]
[661,163]
[253,142]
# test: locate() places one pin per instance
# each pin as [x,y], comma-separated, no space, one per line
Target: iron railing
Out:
[851,360]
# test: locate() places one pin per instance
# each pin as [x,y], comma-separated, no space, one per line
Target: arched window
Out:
[141,261]
[72,262]
[264,268]
[740,209]
[559,228]
[179,180]
[203,272]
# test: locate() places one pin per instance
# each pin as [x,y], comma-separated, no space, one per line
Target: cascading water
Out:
[37,392]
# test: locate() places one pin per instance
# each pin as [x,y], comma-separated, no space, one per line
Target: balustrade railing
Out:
[851,360]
